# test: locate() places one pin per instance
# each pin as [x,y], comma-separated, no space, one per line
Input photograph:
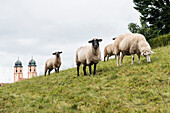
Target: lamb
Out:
[88,55]
[131,44]
[109,51]
[53,63]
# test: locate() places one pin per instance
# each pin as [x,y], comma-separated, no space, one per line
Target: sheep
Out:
[88,55]
[116,46]
[109,51]
[131,44]
[53,63]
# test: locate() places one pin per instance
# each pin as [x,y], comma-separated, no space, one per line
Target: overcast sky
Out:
[39,27]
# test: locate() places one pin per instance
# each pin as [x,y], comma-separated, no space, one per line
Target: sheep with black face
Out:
[88,55]
[53,63]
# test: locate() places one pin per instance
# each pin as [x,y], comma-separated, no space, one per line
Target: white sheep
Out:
[53,63]
[109,50]
[131,44]
[88,55]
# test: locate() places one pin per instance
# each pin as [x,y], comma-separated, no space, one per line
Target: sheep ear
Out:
[60,52]
[100,40]
[90,41]
[54,53]
[152,52]
[114,38]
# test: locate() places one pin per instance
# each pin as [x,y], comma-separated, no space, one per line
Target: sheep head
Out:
[95,42]
[147,55]
[57,53]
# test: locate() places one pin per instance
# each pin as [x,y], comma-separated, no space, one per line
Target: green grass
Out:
[139,88]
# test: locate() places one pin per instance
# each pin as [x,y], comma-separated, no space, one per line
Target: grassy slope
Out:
[141,87]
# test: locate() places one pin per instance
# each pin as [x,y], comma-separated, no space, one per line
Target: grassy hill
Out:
[139,88]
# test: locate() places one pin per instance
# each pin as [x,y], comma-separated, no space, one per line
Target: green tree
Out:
[156,13]
[133,27]
[144,29]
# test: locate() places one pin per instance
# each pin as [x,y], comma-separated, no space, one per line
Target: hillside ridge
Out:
[138,88]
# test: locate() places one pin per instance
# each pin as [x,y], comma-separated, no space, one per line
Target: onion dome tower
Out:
[18,71]
[32,71]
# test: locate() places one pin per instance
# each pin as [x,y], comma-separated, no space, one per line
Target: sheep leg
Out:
[49,72]
[139,58]
[107,57]
[117,56]
[45,71]
[133,57]
[78,65]
[84,69]
[121,59]
[89,69]
[57,70]
[104,57]
[94,69]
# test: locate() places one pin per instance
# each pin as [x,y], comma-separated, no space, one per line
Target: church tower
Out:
[18,71]
[32,69]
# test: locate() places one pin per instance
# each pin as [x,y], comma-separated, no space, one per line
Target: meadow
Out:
[130,88]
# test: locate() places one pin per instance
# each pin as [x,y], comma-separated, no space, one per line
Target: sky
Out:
[40,27]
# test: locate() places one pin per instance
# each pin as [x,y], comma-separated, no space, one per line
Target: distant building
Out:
[18,70]
[32,69]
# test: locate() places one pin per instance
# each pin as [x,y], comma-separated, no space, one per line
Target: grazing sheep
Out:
[88,55]
[131,44]
[109,51]
[53,63]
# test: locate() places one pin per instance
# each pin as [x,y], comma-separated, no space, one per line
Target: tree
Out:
[144,29]
[133,27]
[156,13]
